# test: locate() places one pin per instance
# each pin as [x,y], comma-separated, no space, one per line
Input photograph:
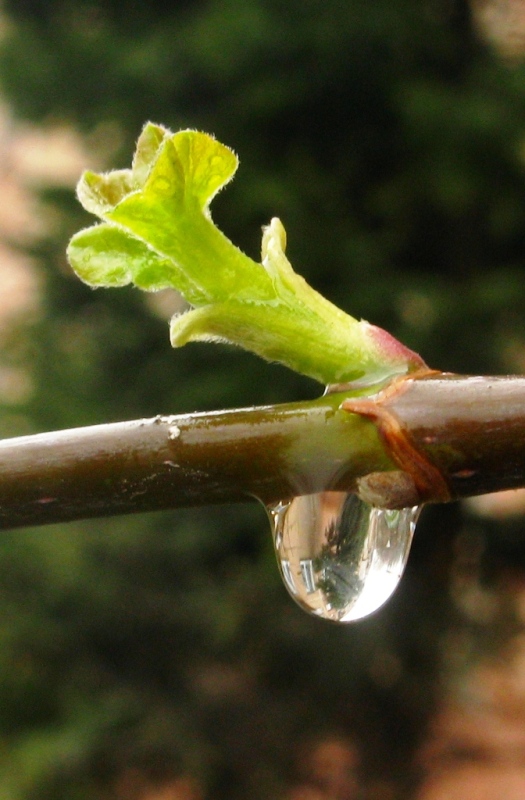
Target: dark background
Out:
[390,139]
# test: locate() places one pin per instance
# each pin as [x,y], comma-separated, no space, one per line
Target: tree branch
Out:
[172,461]
[471,429]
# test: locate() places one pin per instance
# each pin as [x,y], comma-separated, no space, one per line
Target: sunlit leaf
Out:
[158,233]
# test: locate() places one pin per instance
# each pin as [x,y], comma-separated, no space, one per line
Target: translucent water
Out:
[341,558]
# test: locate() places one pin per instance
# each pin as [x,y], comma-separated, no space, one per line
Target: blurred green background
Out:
[153,654]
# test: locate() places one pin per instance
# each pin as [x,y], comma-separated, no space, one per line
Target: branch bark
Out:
[470,429]
[172,461]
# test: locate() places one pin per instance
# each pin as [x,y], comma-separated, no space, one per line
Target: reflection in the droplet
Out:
[341,558]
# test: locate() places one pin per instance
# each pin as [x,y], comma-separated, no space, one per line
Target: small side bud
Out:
[394,489]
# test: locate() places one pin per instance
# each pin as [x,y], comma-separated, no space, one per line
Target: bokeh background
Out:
[158,657]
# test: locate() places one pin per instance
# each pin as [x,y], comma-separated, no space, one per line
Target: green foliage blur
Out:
[391,142]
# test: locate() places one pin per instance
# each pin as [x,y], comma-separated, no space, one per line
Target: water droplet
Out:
[174,432]
[341,558]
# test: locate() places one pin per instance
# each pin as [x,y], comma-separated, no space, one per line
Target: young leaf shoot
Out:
[157,232]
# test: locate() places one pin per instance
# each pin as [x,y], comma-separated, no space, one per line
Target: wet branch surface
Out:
[472,429]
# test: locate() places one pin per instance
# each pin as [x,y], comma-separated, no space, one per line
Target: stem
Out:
[171,461]
[471,429]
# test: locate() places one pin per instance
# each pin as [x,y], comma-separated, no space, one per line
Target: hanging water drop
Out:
[341,558]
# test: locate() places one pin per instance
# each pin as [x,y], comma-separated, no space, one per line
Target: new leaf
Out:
[157,232]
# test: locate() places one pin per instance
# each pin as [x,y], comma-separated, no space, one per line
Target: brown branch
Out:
[472,430]
[172,461]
